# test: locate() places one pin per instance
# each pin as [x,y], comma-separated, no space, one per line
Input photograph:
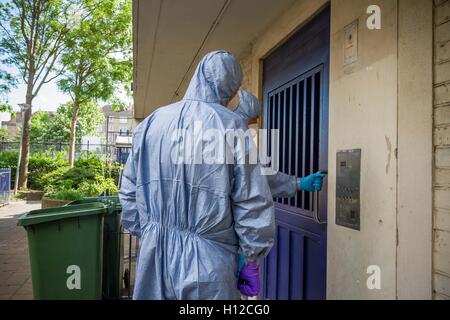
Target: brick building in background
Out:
[13,125]
[116,124]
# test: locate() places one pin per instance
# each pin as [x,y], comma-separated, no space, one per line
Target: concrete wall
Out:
[415,126]
[382,104]
[441,177]
[363,114]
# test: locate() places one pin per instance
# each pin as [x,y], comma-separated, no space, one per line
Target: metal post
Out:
[107,141]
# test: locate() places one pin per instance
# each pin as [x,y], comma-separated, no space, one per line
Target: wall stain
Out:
[389,148]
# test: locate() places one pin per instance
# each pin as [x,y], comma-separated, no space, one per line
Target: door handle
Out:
[316,207]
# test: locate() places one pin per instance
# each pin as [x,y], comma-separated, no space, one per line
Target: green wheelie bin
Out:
[65,246]
[112,246]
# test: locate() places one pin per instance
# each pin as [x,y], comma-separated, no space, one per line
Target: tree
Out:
[4,134]
[7,82]
[40,126]
[97,58]
[46,127]
[4,107]
[32,34]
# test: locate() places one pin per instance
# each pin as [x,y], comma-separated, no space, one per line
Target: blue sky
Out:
[48,98]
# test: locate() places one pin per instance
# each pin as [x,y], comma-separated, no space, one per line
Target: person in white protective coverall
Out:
[281,185]
[194,219]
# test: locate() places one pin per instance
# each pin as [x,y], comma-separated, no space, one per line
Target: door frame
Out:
[293,70]
[288,23]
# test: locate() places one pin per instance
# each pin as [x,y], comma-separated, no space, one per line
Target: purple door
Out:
[296,103]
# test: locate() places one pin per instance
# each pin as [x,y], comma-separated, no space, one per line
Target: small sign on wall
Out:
[351,43]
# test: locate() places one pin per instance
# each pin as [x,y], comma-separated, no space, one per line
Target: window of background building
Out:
[124,131]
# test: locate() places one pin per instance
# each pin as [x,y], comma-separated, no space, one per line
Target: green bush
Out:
[8,158]
[40,164]
[77,175]
[54,180]
[68,195]
[89,177]
[92,162]
[66,178]
[99,185]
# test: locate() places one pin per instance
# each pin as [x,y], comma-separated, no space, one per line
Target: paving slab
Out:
[15,274]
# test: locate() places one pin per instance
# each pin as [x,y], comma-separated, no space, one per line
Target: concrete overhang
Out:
[170,36]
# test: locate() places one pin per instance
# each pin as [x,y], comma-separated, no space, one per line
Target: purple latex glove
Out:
[249,279]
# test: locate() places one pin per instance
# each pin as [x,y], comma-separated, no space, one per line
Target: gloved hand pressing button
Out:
[249,279]
[313,182]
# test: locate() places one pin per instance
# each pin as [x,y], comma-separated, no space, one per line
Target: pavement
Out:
[15,274]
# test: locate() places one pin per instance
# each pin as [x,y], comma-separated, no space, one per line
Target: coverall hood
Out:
[249,107]
[217,78]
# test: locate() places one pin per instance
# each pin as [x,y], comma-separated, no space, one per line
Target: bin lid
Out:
[112,201]
[95,199]
[60,213]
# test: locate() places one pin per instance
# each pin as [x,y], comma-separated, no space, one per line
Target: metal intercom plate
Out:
[348,174]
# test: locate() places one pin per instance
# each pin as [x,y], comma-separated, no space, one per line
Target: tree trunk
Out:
[25,151]
[73,129]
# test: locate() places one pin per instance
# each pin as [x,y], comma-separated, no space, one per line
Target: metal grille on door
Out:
[295,86]
[294,109]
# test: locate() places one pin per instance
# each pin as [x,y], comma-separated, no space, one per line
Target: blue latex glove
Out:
[248,283]
[313,182]
[241,263]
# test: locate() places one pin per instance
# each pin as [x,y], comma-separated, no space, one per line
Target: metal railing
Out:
[119,154]
[131,253]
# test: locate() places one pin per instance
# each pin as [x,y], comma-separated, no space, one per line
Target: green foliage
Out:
[40,126]
[8,159]
[97,55]
[7,82]
[89,177]
[57,127]
[90,162]
[4,134]
[96,187]
[77,175]
[54,180]
[117,105]
[32,38]
[32,33]
[41,164]
[67,195]
[4,107]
